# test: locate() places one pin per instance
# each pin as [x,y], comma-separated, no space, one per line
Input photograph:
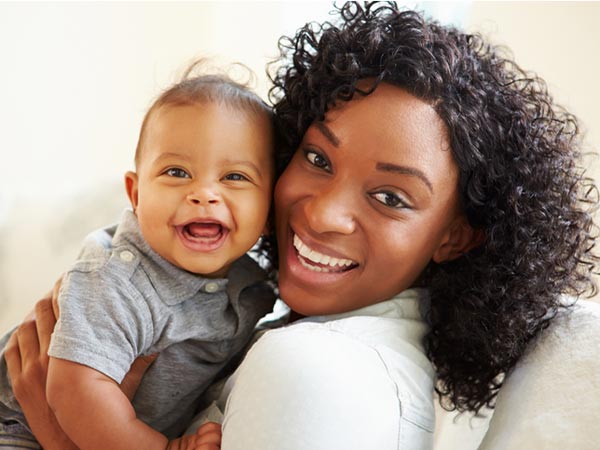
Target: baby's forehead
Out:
[218,133]
[238,114]
[258,120]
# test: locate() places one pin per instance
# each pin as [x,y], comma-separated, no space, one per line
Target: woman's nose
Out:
[331,210]
[204,196]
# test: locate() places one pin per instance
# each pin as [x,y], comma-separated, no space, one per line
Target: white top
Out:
[358,380]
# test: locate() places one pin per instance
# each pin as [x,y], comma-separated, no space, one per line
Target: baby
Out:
[172,278]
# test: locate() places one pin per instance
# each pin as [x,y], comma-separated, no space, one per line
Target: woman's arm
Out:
[27,362]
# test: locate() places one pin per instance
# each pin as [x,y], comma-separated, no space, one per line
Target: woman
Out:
[430,215]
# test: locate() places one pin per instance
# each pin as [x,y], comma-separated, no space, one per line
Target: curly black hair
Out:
[520,181]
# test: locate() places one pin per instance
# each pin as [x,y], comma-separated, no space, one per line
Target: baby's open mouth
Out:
[202,230]
[202,235]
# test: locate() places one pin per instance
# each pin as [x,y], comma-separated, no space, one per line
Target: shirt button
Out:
[211,287]
[126,256]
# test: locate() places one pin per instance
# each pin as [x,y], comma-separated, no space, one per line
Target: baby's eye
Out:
[317,160]
[235,177]
[390,199]
[177,173]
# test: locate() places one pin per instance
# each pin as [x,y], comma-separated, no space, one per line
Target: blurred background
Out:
[76,79]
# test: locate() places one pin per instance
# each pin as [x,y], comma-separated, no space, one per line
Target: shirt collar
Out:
[175,285]
[403,326]
[409,304]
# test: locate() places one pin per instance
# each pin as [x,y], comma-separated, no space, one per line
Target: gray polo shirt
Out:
[121,300]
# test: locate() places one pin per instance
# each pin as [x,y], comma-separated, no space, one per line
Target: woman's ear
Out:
[131,186]
[461,238]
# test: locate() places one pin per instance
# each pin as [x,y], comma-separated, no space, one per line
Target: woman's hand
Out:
[207,437]
[26,356]
[27,360]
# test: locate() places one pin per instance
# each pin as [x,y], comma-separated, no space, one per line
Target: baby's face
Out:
[203,187]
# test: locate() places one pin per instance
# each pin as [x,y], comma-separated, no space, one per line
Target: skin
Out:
[375,187]
[201,195]
[26,356]
[204,163]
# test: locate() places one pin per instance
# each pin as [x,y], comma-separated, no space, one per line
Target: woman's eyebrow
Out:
[388,167]
[326,131]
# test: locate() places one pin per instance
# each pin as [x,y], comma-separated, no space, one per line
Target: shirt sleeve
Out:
[314,388]
[104,322]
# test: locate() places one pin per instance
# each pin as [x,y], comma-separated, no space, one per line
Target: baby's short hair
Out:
[205,88]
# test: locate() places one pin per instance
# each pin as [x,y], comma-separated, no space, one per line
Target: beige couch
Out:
[550,401]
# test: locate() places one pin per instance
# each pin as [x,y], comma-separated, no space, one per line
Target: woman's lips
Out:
[319,262]
[202,236]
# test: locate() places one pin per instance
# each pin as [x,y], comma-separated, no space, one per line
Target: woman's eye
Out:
[236,177]
[317,160]
[390,199]
[177,173]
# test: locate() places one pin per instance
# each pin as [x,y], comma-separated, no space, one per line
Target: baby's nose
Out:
[204,196]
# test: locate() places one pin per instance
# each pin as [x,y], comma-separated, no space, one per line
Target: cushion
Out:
[551,400]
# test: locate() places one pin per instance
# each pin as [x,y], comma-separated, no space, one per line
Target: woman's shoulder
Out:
[328,389]
[394,330]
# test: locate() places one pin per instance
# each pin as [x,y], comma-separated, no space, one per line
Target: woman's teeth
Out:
[326,263]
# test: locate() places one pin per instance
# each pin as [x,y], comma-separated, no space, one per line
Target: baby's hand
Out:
[207,437]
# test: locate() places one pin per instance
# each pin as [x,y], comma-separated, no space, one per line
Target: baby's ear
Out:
[461,238]
[131,186]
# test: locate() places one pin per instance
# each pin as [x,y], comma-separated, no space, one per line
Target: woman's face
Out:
[369,198]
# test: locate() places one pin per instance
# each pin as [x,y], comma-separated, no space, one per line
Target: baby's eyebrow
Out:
[330,135]
[243,162]
[167,155]
[388,167]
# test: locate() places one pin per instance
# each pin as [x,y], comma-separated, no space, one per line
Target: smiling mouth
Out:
[202,230]
[202,236]
[319,262]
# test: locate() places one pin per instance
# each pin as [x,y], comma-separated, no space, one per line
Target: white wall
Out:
[77,78]
[561,42]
